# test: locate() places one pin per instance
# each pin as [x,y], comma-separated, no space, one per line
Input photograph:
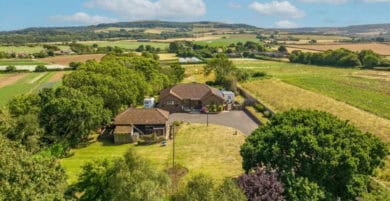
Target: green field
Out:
[20,62]
[356,87]
[27,49]
[132,45]
[212,150]
[30,83]
[227,40]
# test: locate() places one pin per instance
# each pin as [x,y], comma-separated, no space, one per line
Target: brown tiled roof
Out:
[133,116]
[193,91]
[123,129]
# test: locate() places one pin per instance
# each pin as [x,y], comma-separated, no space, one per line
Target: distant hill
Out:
[368,30]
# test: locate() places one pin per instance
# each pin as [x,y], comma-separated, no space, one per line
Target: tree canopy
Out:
[318,146]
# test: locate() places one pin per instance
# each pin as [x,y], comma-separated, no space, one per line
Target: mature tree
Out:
[24,104]
[70,115]
[199,188]
[300,188]
[177,72]
[40,68]
[282,49]
[130,178]
[262,185]
[318,146]
[26,177]
[10,69]
[230,191]
[221,66]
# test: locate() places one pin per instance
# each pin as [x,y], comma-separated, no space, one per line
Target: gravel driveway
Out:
[234,119]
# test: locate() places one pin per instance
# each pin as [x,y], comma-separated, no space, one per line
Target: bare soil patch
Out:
[65,60]
[57,77]
[8,80]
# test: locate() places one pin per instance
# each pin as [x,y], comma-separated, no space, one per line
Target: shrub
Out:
[199,188]
[230,191]
[267,114]
[259,107]
[40,68]
[10,69]
[259,74]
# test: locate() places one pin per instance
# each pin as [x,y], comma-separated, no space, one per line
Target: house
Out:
[228,96]
[133,122]
[189,97]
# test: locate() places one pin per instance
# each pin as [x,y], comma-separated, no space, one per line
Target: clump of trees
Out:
[340,57]
[317,155]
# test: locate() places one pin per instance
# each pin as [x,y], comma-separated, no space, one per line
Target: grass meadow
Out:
[212,150]
[20,62]
[226,40]
[131,45]
[27,49]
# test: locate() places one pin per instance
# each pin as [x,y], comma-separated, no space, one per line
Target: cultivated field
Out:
[20,62]
[212,150]
[12,85]
[351,86]
[65,60]
[27,49]
[380,48]
[128,44]
[226,40]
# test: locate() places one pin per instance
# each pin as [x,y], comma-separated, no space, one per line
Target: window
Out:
[171,102]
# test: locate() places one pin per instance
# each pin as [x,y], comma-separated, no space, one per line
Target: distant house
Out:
[189,97]
[134,122]
[229,96]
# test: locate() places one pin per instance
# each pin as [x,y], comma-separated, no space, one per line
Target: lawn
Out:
[30,83]
[364,89]
[212,150]
[195,73]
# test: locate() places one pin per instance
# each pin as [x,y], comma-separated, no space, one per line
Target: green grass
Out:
[24,86]
[20,62]
[346,85]
[132,45]
[212,150]
[229,39]
[27,49]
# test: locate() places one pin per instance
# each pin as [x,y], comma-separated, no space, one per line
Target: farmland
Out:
[226,40]
[20,62]
[17,84]
[127,44]
[27,49]
[65,60]
[380,48]
[212,150]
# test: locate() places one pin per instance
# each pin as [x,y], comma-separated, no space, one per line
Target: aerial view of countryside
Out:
[195,100]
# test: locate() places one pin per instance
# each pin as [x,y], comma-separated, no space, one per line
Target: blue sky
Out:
[17,14]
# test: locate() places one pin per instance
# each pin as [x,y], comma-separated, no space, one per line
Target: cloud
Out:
[277,8]
[234,5]
[286,24]
[148,9]
[82,18]
[338,2]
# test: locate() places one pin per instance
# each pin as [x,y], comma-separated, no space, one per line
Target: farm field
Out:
[20,62]
[212,150]
[226,40]
[17,84]
[65,60]
[380,48]
[27,49]
[360,88]
[128,44]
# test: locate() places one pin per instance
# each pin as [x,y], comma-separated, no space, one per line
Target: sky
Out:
[19,14]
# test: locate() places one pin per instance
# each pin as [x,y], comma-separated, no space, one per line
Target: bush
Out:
[40,68]
[10,69]
[258,74]
[267,114]
[199,188]
[259,107]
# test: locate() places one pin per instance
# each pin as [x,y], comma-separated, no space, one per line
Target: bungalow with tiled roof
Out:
[134,122]
[189,97]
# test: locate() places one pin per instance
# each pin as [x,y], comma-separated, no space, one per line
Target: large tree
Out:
[26,177]
[318,146]
[128,178]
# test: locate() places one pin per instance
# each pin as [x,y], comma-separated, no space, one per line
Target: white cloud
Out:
[148,9]
[337,2]
[286,24]
[277,8]
[234,5]
[83,18]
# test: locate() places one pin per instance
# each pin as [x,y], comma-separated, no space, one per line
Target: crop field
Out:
[27,49]
[12,85]
[20,62]
[65,60]
[360,88]
[380,48]
[212,150]
[127,44]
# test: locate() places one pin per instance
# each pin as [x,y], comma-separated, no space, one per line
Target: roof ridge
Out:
[160,111]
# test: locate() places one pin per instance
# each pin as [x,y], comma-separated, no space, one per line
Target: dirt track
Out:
[11,79]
